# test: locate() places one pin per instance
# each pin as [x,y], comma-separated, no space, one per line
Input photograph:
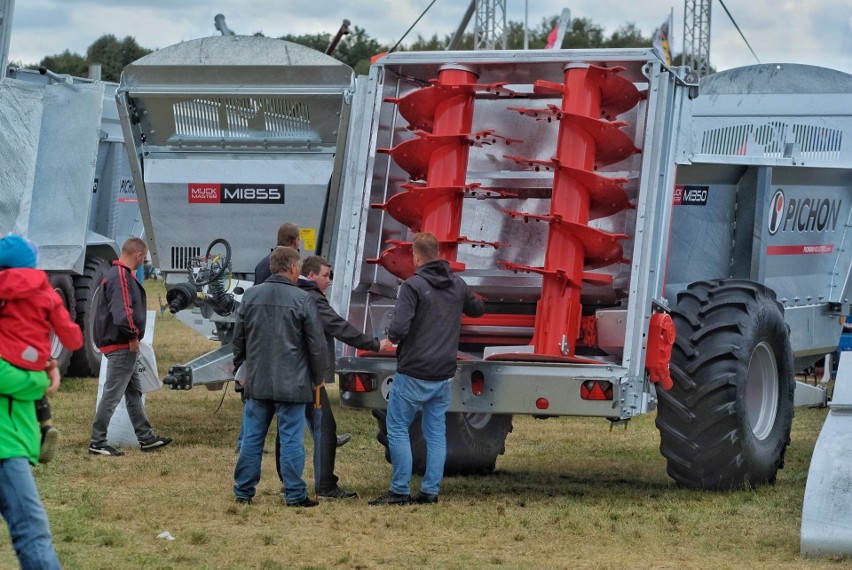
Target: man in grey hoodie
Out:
[426,326]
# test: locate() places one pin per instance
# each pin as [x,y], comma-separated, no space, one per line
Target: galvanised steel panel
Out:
[65,171]
[250,228]
[115,207]
[237,92]
[20,128]
[783,114]
[512,388]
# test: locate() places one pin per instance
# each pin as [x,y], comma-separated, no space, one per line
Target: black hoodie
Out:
[427,321]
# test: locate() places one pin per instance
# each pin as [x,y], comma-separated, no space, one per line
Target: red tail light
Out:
[357,382]
[596,390]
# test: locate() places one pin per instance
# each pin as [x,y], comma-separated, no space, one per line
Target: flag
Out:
[551,38]
[663,40]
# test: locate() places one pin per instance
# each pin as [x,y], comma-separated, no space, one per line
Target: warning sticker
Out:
[309,238]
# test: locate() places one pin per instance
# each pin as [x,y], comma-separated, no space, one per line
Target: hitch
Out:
[179,378]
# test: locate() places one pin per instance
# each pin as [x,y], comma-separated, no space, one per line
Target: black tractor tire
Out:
[473,442]
[64,287]
[725,424]
[86,362]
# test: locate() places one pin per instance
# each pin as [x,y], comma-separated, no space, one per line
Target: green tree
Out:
[628,35]
[583,34]
[65,62]
[356,49]
[114,55]
[435,43]
[318,42]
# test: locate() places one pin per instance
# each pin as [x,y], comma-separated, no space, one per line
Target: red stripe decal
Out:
[799,249]
[125,295]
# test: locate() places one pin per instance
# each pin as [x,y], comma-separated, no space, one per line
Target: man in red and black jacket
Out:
[119,324]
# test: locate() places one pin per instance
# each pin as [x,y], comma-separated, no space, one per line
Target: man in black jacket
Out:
[279,337]
[315,279]
[119,324]
[288,236]
[426,325]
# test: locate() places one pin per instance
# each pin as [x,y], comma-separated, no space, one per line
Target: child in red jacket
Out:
[29,310]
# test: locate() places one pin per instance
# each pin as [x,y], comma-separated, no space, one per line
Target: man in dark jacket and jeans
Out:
[426,325]
[314,280]
[279,336]
[288,236]
[119,324]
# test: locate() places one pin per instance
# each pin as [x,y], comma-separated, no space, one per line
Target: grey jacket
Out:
[279,335]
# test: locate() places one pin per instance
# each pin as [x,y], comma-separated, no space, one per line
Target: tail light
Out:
[596,390]
[357,382]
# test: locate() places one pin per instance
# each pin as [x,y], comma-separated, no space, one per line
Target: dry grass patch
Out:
[569,493]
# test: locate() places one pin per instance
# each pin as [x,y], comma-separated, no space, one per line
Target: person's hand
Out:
[53,374]
[385,345]
[133,345]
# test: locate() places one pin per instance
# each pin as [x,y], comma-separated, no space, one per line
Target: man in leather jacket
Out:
[279,335]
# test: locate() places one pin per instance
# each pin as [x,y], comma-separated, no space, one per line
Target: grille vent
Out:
[776,139]
[242,117]
[182,254]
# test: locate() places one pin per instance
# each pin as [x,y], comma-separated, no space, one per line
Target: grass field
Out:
[569,493]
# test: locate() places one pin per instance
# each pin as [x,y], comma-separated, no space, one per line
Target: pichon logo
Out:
[776,213]
[236,193]
[811,214]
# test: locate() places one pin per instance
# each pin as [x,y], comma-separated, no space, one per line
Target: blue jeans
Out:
[257,416]
[407,396]
[21,507]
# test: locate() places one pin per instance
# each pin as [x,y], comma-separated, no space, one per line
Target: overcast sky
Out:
[778,30]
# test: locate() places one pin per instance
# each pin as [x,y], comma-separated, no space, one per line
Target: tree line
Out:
[356,48]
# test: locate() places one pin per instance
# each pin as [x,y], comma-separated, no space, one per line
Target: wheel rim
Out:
[761,391]
[477,421]
[56,347]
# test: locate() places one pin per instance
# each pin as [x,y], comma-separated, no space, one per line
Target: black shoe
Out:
[104,450]
[337,493]
[243,501]
[343,439]
[391,498]
[424,498]
[155,443]
[306,502]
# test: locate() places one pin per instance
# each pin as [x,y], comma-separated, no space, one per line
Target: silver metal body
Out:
[67,185]
[7,9]
[756,135]
[365,293]
[236,128]
[827,508]
[230,137]
[735,145]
